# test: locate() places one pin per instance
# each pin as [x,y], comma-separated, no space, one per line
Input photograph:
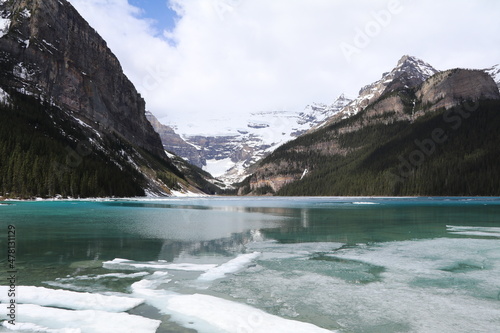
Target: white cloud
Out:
[230,57]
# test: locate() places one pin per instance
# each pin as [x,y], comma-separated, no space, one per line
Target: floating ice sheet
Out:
[104,276]
[274,249]
[430,256]
[70,299]
[433,285]
[54,320]
[474,231]
[35,328]
[229,267]
[209,314]
[235,317]
[125,264]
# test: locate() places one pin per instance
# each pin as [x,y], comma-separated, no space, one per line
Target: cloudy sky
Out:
[195,60]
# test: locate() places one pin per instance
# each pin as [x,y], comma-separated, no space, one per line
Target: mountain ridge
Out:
[494,72]
[408,73]
[396,110]
[229,155]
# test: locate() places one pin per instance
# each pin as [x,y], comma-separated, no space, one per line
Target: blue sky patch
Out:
[158,10]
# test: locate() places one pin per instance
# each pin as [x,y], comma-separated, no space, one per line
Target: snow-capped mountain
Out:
[368,153]
[409,73]
[229,154]
[495,73]
[243,142]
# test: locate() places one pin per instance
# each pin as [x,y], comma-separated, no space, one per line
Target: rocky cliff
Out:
[53,54]
[63,87]
[174,143]
[449,88]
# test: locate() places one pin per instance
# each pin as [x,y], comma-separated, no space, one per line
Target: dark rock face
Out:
[448,89]
[174,143]
[51,52]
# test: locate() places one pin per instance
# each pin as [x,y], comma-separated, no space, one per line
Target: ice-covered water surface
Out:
[264,265]
[435,285]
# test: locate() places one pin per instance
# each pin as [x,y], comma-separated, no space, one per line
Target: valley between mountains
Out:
[379,143]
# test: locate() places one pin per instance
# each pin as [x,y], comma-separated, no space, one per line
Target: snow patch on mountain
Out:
[231,146]
[4,22]
[409,73]
[495,73]
[218,168]
[25,13]
[4,97]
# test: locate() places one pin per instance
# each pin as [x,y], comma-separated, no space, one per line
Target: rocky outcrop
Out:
[52,53]
[450,88]
[174,143]
[271,175]
[409,73]
[274,182]
[392,104]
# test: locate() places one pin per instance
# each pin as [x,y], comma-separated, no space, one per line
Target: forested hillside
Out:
[44,154]
[444,153]
[437,138]
[71,122]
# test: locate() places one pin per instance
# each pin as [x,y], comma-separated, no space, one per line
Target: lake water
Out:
[251,265]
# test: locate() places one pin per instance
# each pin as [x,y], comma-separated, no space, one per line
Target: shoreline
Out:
[6,201]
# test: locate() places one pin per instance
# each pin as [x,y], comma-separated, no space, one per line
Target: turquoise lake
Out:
[250,265]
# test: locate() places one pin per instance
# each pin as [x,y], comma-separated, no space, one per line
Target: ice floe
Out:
[70,299]
[54,320]
[474,231]
[429,285]
[209,314]
[231,316]
[35,328]
[125,264]
[229,267]
[106,276]
[271,249]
